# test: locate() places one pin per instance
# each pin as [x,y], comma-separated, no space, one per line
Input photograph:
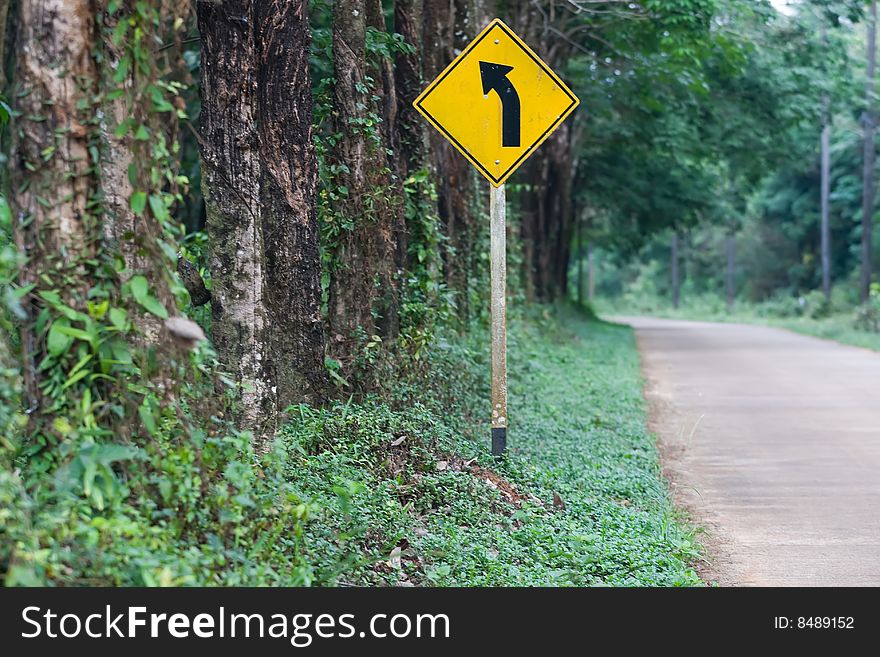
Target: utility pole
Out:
[869,157]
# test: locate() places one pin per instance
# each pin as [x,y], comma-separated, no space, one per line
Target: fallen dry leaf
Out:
[557,502]
[394,558]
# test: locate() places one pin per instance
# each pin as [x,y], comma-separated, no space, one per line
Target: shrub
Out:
[867,316]
[816,305]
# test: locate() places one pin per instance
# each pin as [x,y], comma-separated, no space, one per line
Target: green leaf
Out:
[138,202]
[5,213]
[79,334]
[122,70]
[107,454]
[140,290]
[121,130]
[158,207]
[80,364]
[58,341]
[119,318]
[152,305]
[54,299]
[139,287]
[148,420]
[76,377]
[5,112]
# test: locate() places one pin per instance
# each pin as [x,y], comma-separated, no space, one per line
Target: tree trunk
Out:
[450,26]
[825,199]
[8,25]
[730,272]
[288,187]
[825,185]
[551,174]
[231,177]
[365,251]
[411,136]
[4,15]
[125,234]
[527,237]
[387,176]
[259,177]
[869,157]
[591,275]
[676,282]
[580,261]
[56,74]
[559,195]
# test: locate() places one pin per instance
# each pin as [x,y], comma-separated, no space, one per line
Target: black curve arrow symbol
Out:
[495,77]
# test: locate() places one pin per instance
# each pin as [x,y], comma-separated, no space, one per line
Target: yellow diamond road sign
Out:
[496,102]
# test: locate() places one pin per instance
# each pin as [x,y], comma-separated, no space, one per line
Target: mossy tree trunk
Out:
[412,142]
[448,28]
[388,177]
[362,285]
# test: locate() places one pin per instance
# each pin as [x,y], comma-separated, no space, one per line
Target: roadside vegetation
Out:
[396,492]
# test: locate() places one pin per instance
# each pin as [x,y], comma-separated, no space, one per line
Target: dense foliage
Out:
[756,236]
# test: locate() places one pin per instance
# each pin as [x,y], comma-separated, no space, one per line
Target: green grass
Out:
[411,496]
[836,327]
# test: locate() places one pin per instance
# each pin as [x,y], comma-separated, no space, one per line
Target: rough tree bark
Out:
[4,14]
[411,141]
[55,74]
[259,175]
[387,176]
[564,166]
[288,186]
[231,176]
[868,190]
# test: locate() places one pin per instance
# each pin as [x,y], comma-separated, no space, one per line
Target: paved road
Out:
[772,440]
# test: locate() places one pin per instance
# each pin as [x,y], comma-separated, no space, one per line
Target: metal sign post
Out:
[498,250]
[496,103]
